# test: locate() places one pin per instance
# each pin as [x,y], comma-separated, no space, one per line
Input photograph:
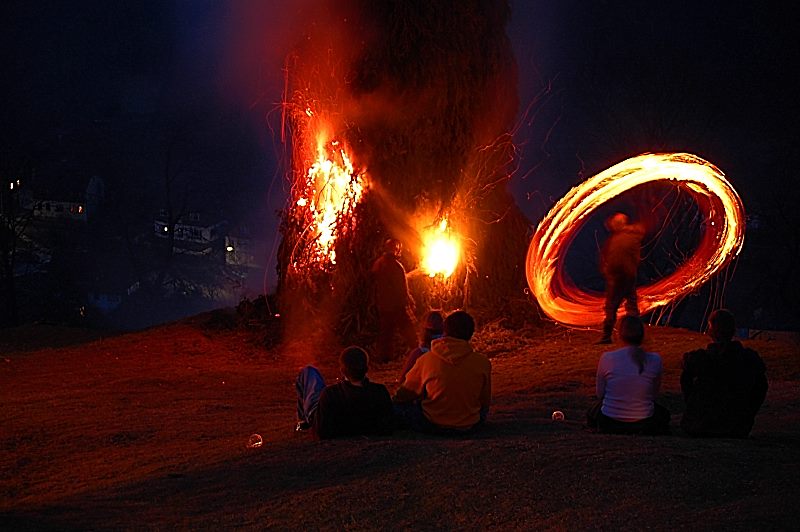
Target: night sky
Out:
[101,87]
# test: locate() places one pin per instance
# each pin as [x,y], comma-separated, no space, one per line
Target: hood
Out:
[451,350]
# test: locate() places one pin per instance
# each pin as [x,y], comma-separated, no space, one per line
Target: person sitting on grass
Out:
[434,323]
[449,389]
[723,385]
[627,383]
[354,407]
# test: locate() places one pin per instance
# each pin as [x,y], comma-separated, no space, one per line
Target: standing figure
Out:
[619,263]
[354,407]
[723,385]
[393,301]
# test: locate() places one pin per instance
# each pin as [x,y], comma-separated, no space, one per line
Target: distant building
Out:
[79,202]
[243,250]
[194,233]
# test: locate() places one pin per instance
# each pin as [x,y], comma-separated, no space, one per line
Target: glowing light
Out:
[229,248]
[721,241]
[332,189]
[440,251]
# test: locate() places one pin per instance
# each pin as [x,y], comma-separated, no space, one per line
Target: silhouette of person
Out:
[619,263]
[392,300]
[723,385]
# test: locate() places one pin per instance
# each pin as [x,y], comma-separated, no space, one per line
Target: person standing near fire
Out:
[619,264]
[393,301]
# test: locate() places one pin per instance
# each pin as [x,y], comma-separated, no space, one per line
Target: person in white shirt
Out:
[628,381]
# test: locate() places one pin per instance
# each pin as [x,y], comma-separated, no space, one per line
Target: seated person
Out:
[449,389]
[434,322]
[353,407]
[627,383]
[723,385]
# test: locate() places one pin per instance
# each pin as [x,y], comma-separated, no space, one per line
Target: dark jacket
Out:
[723,386]
[620,255]
[349,410]
[391,288]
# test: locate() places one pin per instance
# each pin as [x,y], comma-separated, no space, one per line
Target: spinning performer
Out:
[619,262]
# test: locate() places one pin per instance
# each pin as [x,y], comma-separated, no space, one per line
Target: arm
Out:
[486,391]
[600,380]
[412,388]
[687,376]
[324,419]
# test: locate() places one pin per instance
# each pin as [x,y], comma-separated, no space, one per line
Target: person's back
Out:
[346,409]
[451,381]
[723,385]
[628,394]
[356,406]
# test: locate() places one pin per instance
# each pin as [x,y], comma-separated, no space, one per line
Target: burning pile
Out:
[423,95]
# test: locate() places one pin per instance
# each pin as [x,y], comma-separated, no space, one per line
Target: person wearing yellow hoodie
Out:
[449,389]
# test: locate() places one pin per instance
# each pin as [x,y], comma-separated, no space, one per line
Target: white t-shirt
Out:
[628,395]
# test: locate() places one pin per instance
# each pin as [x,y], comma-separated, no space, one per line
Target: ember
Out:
[721,242]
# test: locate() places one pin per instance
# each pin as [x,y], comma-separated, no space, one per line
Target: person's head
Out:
[353,362]
[459,325]
[631,330]
[433,327]
[393,247]
[617,221]
[721,325]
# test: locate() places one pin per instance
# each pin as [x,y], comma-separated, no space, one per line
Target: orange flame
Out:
[332,189]
[440,250]
[721,242]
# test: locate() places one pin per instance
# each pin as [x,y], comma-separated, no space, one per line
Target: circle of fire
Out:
[721,239]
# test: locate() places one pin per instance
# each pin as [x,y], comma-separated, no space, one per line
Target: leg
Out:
[309,385]
[386,330]
[631,298]
[408,329]
[614,296]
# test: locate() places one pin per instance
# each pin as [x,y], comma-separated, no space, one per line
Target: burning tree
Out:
[399,117]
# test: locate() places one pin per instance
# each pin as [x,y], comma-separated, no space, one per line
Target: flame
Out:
[332,189]
[440,250]
[721,241]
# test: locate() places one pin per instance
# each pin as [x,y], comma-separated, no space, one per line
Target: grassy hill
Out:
[150,430]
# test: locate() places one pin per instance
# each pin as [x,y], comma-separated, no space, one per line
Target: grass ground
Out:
[149,430]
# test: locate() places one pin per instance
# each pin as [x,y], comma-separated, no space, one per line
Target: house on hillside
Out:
[76,198]
[194,233]
[244,250]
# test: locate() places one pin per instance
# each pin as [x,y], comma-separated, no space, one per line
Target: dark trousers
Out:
[657,424]
[309,385]
[391,322]
[619,288]
[410,415]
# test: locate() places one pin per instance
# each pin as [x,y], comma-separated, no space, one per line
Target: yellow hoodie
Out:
[453,381]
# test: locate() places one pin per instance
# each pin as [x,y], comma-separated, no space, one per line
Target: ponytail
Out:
[639,356]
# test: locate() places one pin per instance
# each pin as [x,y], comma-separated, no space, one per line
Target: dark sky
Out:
[615,79]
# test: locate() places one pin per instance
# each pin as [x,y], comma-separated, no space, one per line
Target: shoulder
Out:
[694,356]
[752,357]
